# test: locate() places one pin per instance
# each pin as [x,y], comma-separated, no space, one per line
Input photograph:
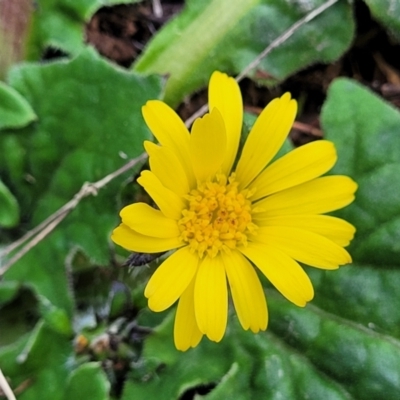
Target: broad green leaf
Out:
[89,125]
[9,210]
[307,353]
[374,298]
[15,111]
[227,35]
[366,363]
[387,12]
[60,24]
[366,131]
[88,382]
[242,366]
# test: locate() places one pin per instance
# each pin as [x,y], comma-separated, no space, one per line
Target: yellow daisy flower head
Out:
[223,224]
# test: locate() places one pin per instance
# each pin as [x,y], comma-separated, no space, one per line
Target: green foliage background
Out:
[77,119]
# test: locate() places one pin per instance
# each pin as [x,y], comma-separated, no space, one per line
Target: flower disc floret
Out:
[218,217]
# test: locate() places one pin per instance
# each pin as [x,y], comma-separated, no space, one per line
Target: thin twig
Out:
[5,387]
[38,238]
[275,43]
[43,229]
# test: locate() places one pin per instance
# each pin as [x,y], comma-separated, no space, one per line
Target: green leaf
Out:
[89,125]
[366,363]
[88,382]
[366,131]
[210,35]
[56,318]
[43,363]
[242,366]
[40,362]
[306,354]
[60,24]
[8,291]
[15,111]
[387,12]
[9,209]
[374,296]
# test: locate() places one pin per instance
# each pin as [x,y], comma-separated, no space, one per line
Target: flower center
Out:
[218,216]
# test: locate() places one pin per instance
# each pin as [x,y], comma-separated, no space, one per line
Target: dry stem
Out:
[5,387]
[43,229]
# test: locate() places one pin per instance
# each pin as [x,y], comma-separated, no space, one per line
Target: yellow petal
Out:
[148,221]
[266,138]
[170,204]
[335,229]
[171,279]
[166,166]
[208,145]
[318,196]
[211,298]
[282,271]
[300,165]
[186,331]
[170,131]
[134,241]
[224,94]
[247,293]
[304,246]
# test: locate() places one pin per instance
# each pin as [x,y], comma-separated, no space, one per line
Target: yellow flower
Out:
[222,218]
